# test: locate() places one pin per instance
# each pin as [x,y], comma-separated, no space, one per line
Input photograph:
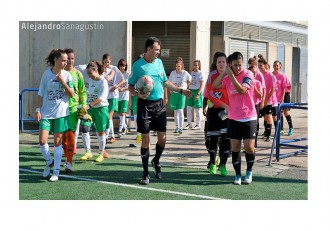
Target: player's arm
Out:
[172,87]
[200,89]
[82,90]
[217,83]
[267,98]
[240,88]
[165,95]
[137,93]
[68,86]
[204,105]
[39,104]
[122,81]
[111,75]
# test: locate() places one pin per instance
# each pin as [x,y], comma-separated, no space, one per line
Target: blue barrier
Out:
[277,143]
[21,111]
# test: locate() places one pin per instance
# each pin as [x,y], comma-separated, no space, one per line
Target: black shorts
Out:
[242,130]
[287,99]
[267,110]
[215,126]
[274,111]
[151,115]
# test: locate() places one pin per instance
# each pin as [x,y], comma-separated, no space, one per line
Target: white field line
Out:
[130,186]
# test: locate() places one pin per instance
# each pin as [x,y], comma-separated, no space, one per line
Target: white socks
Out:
[122,123]
[86,141]
[76,134]
[102,141]
[46,153]
[181,118]
[112,132]
[58,151]
[176,118]
[189,114]
[198,116]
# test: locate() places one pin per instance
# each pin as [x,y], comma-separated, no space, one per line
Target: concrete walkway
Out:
[188,149]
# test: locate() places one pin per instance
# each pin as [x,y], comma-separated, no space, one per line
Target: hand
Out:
[112,89]
[82,112]
[88,118]
[262,105]
[38,116]
[187,93]
[229,71]
[204,111]
[143,96]
[197,96]
[60,78]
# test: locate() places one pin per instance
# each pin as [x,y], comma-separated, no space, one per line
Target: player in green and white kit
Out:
[196,101]
[123,98]
[52,111]
[180,78]
[115,79]
[79,98]
[97,108]
[82,69]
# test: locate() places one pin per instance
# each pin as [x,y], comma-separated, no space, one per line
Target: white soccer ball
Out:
[145,84]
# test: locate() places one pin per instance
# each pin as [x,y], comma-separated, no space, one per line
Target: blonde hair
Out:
[253,61]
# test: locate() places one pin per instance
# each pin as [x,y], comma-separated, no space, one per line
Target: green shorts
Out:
[58,125]
[113,105]
[122,106]
[195,103]
[133,106]
[177,101]
[73,120]
[100,116]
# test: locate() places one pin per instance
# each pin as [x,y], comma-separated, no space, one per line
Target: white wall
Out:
[34,46]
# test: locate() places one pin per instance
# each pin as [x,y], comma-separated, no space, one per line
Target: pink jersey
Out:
[281,83]
[241,106]
[270,84]
[288,82]
[258,86]
[274,97]
[260,78]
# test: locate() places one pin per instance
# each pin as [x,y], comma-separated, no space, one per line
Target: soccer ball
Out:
[145,84]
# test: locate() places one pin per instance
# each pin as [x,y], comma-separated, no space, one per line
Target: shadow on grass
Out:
[130,172]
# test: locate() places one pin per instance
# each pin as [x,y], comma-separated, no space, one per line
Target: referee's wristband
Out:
[181,91]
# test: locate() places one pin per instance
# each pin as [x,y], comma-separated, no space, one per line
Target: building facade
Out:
[284,41]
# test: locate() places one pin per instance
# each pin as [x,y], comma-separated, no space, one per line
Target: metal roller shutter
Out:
[256,48]
[281,55]
[248,49]
[240,46]
[175,36]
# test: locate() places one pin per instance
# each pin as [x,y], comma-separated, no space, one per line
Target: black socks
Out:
[145,160]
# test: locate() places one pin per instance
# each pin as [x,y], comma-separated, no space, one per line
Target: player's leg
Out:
[60,126]
[44,128]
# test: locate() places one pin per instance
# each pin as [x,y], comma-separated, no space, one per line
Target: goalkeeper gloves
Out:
[87,117]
